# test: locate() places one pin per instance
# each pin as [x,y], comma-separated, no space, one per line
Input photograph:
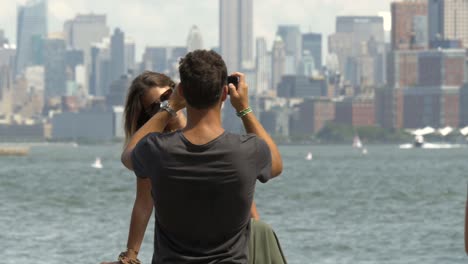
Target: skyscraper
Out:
[292,38]
[236,33]
[82,32]
[31,24]
[448,19]
[312,42]
[117,55]
[409,25]
[278,61]
[54,67]
[194,39]
[99,79]
[129,55]
[347,43]
[263,67]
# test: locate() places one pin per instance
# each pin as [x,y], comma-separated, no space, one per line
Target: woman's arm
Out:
[253,211]
[142,210]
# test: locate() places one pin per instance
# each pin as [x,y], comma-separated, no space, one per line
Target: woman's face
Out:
[152,98]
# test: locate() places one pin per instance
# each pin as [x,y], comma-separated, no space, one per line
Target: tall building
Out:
[130,55]
[347,43]
[6,89]
[82,32]
[156,59]
[117,55]
[194,39]
[7,55]
[100,78]
[73,58]
[278,62]
[55,76]
[31,27]
[312,42]
[292,38]
[236,33]
[263,67]
[409,25]
[448,19]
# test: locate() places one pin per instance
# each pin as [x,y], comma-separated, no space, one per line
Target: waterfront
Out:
[390,206]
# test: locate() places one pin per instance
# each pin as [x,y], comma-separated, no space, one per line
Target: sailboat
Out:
[357,142]
[97,164]
[309,156]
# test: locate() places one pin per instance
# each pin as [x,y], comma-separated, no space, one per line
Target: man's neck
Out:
[203,125]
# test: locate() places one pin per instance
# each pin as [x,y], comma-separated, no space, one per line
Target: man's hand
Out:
[240,97]
[177,101]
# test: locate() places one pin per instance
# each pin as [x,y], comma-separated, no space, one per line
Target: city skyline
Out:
[265,20]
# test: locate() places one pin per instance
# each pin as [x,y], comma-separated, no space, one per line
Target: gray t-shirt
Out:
[202,194]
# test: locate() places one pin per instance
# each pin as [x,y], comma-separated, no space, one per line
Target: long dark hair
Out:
[134,114]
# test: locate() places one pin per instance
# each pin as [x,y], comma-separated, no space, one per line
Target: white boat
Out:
[97,164]
[364,151]
[309,156]
[357,142]
[420,142]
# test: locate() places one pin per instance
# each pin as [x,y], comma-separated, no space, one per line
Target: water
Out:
[390,206]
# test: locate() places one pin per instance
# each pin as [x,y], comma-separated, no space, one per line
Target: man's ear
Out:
[180,90]
[224,94]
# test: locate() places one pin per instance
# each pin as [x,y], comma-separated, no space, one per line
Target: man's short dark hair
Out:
[203,74]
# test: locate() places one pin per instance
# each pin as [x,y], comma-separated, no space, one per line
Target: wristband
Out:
[123,259]
[244,112]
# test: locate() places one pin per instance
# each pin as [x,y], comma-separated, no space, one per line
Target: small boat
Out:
[357,142]
[309,156]
[97,164]
[364,151]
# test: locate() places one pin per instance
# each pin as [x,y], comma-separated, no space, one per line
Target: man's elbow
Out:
[277,169]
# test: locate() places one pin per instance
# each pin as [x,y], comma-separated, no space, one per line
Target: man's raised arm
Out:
[240,101]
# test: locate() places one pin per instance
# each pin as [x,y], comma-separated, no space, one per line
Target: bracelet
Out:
[123,259]
[244,112]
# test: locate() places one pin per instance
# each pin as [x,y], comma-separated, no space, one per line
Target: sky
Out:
[167,23]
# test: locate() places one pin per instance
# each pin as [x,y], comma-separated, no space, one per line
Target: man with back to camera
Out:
[203,178]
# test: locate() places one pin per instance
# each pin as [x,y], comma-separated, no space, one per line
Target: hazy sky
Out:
[157,22]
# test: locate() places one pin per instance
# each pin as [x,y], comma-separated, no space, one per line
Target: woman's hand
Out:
[179,122]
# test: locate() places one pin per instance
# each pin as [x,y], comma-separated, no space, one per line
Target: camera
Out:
[234,80]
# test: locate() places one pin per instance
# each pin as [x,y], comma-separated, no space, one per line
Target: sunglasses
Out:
[156,105]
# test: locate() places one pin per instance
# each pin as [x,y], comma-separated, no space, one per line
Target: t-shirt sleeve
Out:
[142,156]
[263,161]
